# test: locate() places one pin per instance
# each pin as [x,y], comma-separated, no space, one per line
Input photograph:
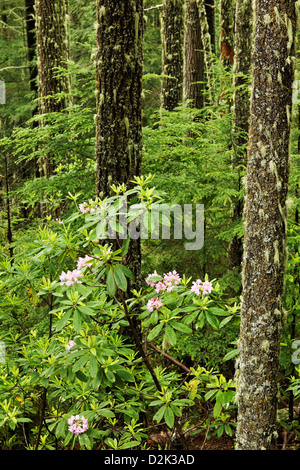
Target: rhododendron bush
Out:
[97,372]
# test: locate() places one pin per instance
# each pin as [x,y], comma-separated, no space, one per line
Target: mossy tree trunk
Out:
[207,48]
[242,67]
[172,33]
[265,226]
[194,58]
[227,8]
[119,72]
[52,54]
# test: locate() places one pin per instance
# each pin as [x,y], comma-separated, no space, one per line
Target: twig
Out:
[172,359]
[153,8]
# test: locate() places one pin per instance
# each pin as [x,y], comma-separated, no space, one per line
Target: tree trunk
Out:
[31,45]
[119,71]
[210,15]
[241,110]
[265,227]
[172,31]
[52,53]
[207,47]
[194,58]
[119,68]
[227,31]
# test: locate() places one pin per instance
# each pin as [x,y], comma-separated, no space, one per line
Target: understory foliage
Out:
[82,375]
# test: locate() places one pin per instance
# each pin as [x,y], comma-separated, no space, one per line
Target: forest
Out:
[150,235]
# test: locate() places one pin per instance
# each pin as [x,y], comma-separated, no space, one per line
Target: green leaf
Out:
[170,335]
[180,327]
[231,355]
[212,320]
[126,271]
[128,445]
[63,320]
[225,321]
[77,320]
[93,366]
[125,375]
[80,363]
[120,278]
[125,247]
[155,332]
[169,417]
[159,414]
[110,283]
[218,311]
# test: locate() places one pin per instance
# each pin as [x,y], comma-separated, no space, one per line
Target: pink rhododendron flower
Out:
[172,277]
[154,303]
[70,278]
[70,344]
[83,262]
[148,280]
[202,287]
[78,424]
[160,286]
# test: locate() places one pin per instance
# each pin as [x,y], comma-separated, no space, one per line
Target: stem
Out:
[170,358]
[138,343]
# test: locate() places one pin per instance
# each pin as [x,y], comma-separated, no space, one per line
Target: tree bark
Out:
[52,53]
[241,110]
[210,15]
[265,227]
[119,69]
[207,48]
[227,31]
[31,45]
[172,33]
[194,58]
[119,72]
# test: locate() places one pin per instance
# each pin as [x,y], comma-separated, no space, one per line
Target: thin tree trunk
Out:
[52,53]
[210,15]
[227,31]
[241,111]
[172,33]
[265,227]
[207,47]
[194,58]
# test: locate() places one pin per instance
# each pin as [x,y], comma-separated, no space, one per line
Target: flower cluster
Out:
[161,284]
[84,262]
[86,208]
[70,277]
[77,424]
[154,303]
[204,287]
[170,279]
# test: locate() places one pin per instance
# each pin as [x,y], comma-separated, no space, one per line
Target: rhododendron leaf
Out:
[110,283]
[181,327]
[212,320]
[63,320]
[169,417]
[156,330]
[77,320]
[93,366]
[159,414]
[171,335]
[120,278]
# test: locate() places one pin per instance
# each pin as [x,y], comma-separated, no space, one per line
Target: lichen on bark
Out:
[263,276]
